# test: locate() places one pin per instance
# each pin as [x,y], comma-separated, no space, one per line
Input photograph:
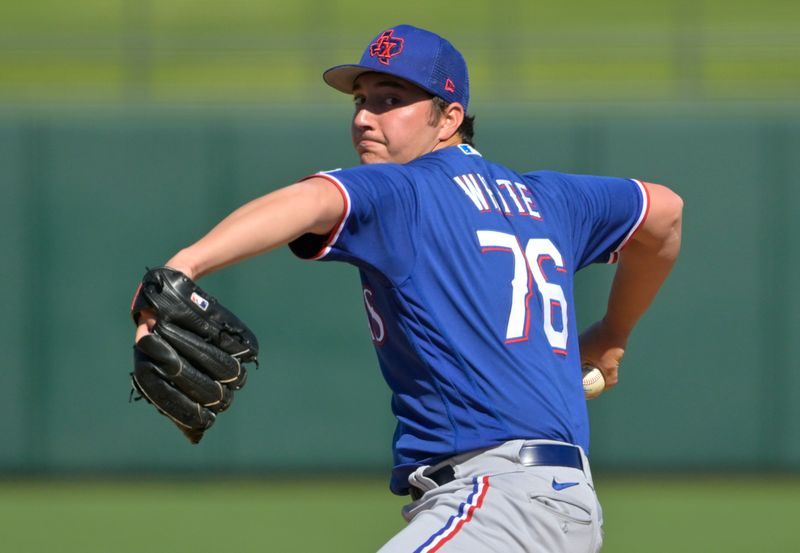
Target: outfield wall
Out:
[710,380]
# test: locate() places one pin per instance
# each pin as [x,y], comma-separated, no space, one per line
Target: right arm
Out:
[312,206]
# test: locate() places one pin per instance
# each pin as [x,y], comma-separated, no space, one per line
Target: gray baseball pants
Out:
[496,504]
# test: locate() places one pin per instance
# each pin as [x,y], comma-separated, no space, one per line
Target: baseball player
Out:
[467,270]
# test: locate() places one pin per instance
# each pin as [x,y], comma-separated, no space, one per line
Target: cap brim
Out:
[342,77]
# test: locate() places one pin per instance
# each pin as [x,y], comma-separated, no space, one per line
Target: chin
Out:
[369,158]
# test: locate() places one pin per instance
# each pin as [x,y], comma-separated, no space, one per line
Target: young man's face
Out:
[392,120]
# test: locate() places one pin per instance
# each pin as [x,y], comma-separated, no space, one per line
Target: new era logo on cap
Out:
[416,55]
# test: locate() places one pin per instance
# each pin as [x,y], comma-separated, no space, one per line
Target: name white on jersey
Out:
[507,197]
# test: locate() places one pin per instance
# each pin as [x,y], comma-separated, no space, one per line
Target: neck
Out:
[452,141]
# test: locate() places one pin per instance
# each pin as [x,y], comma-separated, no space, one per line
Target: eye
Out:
[358,101]
[391,100]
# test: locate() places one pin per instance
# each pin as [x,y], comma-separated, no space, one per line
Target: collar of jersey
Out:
[468,150]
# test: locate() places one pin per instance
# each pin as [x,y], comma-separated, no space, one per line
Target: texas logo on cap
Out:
[420,57]
[386,46]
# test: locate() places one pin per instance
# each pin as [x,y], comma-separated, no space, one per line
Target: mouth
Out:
[367,143]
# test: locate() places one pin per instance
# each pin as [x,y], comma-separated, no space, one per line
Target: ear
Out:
[451,120]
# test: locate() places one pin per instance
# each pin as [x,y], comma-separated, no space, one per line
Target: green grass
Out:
[653,514]
[702,515]
[176,51]
[231,517]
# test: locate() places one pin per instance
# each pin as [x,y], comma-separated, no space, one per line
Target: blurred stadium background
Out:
[128,127]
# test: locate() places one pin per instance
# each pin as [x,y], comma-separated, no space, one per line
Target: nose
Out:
[363,119]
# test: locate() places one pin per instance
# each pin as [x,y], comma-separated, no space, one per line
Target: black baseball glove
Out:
[192,361]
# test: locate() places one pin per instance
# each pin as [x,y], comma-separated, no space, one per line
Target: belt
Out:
[533,455]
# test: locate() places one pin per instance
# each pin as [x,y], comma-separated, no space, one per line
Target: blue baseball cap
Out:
[416,55]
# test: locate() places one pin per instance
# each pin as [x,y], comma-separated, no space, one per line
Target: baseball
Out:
[593,382]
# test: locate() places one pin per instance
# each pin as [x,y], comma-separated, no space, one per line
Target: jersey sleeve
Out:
[377,228]
[606,212]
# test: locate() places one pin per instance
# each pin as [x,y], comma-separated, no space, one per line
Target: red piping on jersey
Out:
[644,217]
[337,228]
[646,196]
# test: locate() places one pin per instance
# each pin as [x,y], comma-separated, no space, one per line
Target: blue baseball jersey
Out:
[467,271]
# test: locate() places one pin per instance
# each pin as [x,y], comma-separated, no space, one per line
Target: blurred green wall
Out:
[90,198]
[128,127]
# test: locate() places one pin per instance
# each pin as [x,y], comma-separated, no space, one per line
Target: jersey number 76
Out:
[527,272]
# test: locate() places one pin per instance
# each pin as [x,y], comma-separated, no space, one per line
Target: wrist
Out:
[615,330]
[182,262]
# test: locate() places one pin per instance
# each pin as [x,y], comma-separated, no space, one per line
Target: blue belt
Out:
[551,455]
[533,455]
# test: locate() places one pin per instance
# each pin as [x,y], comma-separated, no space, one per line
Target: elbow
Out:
[672,221]
[661,229]
[674,211]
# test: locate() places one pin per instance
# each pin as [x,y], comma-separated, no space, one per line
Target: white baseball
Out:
[593,382]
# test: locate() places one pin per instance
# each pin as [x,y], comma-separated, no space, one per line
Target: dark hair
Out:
[467,128]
